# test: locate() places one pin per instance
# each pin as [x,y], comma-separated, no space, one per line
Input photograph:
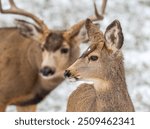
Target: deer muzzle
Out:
[47,71]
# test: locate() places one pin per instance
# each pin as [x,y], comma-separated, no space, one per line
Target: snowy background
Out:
[134,16]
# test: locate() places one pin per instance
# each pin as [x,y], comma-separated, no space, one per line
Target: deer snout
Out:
[67,73]
[46,71]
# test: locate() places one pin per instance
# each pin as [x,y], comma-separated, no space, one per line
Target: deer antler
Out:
[75,28]
[103,7]
[15,10]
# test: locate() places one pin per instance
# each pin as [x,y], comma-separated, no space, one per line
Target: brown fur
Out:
[109,92]
[82,99]
[29,70]
[20,61]
[51,45]
[30,108]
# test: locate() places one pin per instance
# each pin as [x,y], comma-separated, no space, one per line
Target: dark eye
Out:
[93,58]
[64,50]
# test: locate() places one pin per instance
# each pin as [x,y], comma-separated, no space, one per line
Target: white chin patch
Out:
[88,81]
[72,79]
[46,77]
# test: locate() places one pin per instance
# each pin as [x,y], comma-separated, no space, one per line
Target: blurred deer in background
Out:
[101,63]
[33,58]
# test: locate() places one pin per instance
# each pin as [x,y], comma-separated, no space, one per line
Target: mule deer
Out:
[33,58]
[101,63]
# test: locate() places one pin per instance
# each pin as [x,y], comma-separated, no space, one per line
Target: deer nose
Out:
[67,73]
[47,71]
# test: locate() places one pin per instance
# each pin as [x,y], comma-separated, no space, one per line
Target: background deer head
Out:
[59,48]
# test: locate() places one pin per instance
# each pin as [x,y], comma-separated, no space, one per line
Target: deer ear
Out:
[29,30]
[114,36]
[83,36]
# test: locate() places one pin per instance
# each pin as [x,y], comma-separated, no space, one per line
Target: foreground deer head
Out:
[101,63]
[104,49]
[30,50]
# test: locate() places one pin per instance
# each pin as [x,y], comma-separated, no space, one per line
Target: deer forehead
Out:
[91,49]
[55,41]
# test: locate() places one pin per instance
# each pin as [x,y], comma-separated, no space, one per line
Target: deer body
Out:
[33,58]
[86,99]
[20,83]
[101,63]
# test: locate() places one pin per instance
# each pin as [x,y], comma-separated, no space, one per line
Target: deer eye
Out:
[64,50]
[93,58]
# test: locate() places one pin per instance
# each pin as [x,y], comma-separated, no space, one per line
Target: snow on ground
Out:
[135,20]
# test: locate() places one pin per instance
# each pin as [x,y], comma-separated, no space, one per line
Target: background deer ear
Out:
[29,30]
[114,36]
[78,32]
[83,36]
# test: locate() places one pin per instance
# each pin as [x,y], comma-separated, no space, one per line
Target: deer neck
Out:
[112,83]
[101,85]
[112,95]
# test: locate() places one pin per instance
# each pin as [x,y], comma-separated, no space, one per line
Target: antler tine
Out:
[0,6]
[15,10]
[97,15]
[75,28]
[12,4]
[104,6]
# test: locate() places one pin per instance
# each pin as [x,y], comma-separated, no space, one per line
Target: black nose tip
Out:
[47,71]
[67,73]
